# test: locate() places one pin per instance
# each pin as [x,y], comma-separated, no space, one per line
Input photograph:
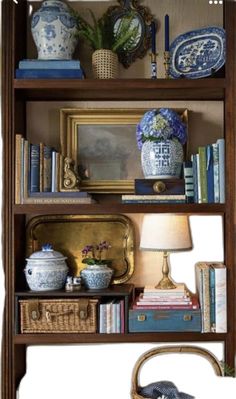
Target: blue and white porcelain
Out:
[198,53]
[54,31]
[46,270]
[162,159]
[96,277]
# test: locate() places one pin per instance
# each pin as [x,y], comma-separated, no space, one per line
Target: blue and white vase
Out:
[96,277]
[46,270]
[54,31]
[162,159]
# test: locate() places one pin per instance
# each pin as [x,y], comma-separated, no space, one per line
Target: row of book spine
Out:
[37,169]
[111,316]
[205,174]
[212,291]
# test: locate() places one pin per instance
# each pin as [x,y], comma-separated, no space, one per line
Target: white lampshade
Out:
[166,232]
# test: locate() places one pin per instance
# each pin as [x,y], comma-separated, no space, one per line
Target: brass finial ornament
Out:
[70,177]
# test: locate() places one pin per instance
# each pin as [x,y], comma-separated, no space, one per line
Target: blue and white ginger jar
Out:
[54,31]
[96,277]
[46,270]
[162,159]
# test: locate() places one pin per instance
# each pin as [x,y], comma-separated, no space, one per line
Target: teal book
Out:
[212,298]
[221,147]
[34,168]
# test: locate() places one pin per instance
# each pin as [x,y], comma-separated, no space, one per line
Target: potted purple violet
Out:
[97,275]
[161,135]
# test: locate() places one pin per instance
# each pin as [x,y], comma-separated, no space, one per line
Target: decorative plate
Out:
[198,53]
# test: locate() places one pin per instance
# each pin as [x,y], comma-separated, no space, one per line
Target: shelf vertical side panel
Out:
[230,21]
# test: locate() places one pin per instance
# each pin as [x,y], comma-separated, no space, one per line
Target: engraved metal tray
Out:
[69,234]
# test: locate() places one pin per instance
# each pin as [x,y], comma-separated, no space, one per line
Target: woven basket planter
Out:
[170,350]
[105,64]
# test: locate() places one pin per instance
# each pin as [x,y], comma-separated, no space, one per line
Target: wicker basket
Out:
[105,64]
[58,315]
[170,350]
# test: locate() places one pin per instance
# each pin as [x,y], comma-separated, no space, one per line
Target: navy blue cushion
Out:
[158,389]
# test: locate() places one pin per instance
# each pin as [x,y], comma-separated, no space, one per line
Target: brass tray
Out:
[70,233]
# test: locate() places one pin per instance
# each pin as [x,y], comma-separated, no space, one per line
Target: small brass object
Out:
[187,317]
[167,64]
[159,187]
[141,317]
[70,177]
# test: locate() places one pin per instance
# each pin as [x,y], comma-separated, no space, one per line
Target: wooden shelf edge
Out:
[136,89]
[119,208]
[67,338]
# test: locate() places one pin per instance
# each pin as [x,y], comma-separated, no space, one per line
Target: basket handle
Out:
[173,349]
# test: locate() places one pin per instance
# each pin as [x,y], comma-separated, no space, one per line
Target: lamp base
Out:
[165,284]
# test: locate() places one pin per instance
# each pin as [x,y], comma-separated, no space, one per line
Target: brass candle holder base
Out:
[167,64]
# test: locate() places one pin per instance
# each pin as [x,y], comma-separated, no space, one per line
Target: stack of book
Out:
[205,174]
[156,191]
[38,169]
[212,290]
[49,69]
[111,316]
[178,298]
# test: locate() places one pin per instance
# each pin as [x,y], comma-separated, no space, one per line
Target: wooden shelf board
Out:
[48,339]
[115,290]
[118,208]
[121,89]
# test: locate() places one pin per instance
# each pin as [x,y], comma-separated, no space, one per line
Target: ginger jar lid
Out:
[47,253]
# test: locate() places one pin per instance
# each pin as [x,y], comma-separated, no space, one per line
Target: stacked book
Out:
[178,298]
[212,291]
[38,170]
[205,174]
[154,191]
[49,69]
[111,316]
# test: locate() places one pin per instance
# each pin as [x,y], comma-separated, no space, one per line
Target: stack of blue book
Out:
[49,69]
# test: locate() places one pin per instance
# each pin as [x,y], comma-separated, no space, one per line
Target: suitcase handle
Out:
[170,350]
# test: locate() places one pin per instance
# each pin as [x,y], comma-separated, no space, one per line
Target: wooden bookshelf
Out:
[15,95]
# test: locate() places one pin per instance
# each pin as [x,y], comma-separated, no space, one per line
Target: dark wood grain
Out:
[48,339]
[119,208]
[120,89]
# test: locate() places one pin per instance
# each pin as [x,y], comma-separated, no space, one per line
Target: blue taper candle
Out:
[167,40]
[153,32]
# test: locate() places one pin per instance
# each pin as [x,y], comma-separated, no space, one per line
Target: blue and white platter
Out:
[198,53]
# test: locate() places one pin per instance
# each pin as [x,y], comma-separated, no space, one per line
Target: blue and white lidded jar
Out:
[54,31]
[46,270]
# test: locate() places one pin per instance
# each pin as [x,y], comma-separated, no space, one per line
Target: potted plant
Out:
[161,135]
[97,275]
[105,42]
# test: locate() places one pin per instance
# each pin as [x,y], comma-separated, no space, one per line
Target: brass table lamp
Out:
[165,232]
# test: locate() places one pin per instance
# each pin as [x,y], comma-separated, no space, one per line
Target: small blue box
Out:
[164,320]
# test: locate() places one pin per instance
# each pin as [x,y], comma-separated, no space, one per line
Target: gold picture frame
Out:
[103,141]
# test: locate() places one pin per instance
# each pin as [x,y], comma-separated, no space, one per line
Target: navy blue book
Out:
[47,168]
[210,174]
[34,167]
[49,74]
[188,178]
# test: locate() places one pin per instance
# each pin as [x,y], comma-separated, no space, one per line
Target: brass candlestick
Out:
[153,65]
[167,64]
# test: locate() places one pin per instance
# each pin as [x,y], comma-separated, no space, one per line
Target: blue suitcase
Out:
[164,320]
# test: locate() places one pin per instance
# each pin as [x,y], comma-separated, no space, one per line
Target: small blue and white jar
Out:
[46,270]
[96,277]
[162,159]
[54,31]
